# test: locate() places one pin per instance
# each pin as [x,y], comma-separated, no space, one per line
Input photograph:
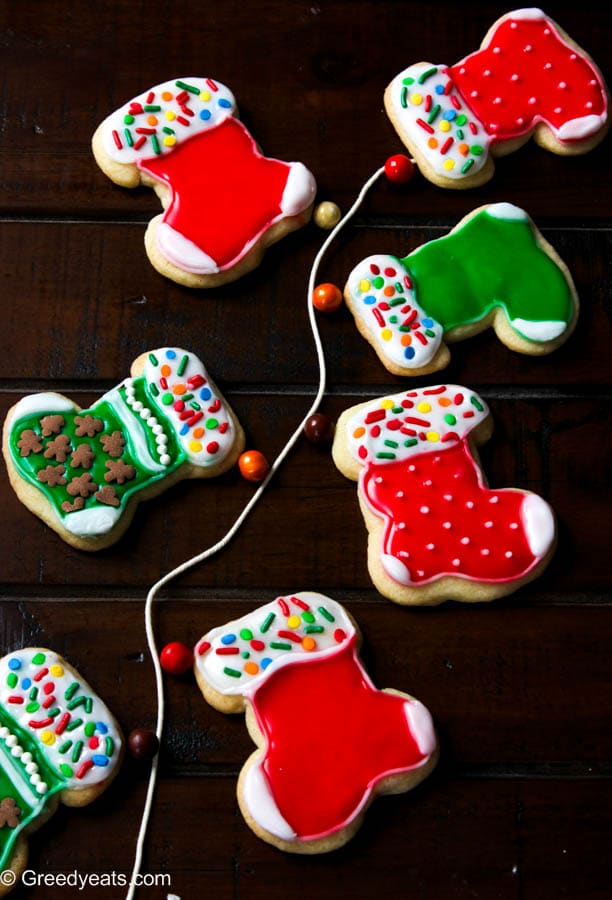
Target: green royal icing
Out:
[29,466]
[489,262]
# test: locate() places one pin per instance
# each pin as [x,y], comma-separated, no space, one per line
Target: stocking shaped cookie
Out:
[528,78]
[494,269]
[84,471]
[436,531]
[224,202]
[58,743]
[328,741]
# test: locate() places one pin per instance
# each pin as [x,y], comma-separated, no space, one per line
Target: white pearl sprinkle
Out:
[400,495]
[424,510]
[488,524]
[469,504]
[145,413]
[527,48]
[456,563]
[532,101]
[508,554]
[494,499]
[35,778]
[161,440]
[412,468]
[31,768]
[487,73]
[514,525]
[514,77]
[428,483]
[401,525]
[378,480]
[465,540]
[447,525]
[562,85]
[474,94]
[27,757]
[498,101]
[4,731]
[485,552]
[157,429]
[447,497]
[41,788]
[430,546]
[17,751]
[496,50]
[11,740]
[152,422]
[165,460]
[403,553]
[137,405]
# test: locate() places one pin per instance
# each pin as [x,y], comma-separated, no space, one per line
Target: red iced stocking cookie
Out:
[527,78]
[224,202]
[436,531]
[329,742]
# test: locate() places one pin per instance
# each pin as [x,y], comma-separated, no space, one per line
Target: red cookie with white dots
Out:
[436,530]
[529,78]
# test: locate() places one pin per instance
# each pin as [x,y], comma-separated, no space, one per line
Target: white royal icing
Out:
[440,123]
[92,522]
[383,301]
[421,726]
[53,684]
[210,106]
[400,426]
[184,253]
[219,432]
[539,331]
[299,191]
[261,805]
[539,524]
[212,664]
[37,404]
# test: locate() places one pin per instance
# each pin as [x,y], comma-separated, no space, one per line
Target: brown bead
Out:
[143,743]
[319,429]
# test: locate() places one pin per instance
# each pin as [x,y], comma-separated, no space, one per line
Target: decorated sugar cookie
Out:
[328,741]
[528,78]
[436,531]
[84,471]
[58,743]
[224,202]
[494,269]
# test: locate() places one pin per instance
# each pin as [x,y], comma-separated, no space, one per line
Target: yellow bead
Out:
[170,116]
[387,403]
[48,738]
[293,621]
[417,99]
[449,164]
[424,407]
[205,96]
[445,125]
[57,671]
[386,334]
[195,446]
[364,285]
[432,436]
[169,140]
[327,215]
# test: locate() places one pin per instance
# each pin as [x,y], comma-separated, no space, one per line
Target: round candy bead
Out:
[319,429]
[399,169]
[143,743]
[327,215]
[253,465]
[326,297]
[176,658]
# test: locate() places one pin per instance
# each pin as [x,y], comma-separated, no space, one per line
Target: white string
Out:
[206,554]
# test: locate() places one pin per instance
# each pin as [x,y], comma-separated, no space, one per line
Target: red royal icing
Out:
[330,737]
[527,73]
[224,193]
[436,511]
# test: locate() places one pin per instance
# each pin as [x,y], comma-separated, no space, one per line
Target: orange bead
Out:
[253,465]
[326,297]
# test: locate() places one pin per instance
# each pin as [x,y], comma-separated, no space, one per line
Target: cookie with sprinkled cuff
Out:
[436,531]
[493,270]
[224,202]
[83,472]
[328,741]
[58,744]
[529,78]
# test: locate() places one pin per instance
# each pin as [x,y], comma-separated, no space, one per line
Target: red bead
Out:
[253,465]
[176,658]
[399,169]
[326,297]
[319,429]
[143,743]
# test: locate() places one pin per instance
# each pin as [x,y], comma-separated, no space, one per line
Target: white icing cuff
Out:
[507,212]
[539,524]
[261,805]
[382,298]
[37,404]
[539,331]
[533,13]
[182,252]
[299,191]
[91,522]
[583,127]
[396,569]
[421,726]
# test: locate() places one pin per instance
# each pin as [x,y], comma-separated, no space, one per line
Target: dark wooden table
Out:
[520,805]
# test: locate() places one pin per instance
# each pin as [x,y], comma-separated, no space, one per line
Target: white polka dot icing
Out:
[405,425]
[155,121]
[236,658]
